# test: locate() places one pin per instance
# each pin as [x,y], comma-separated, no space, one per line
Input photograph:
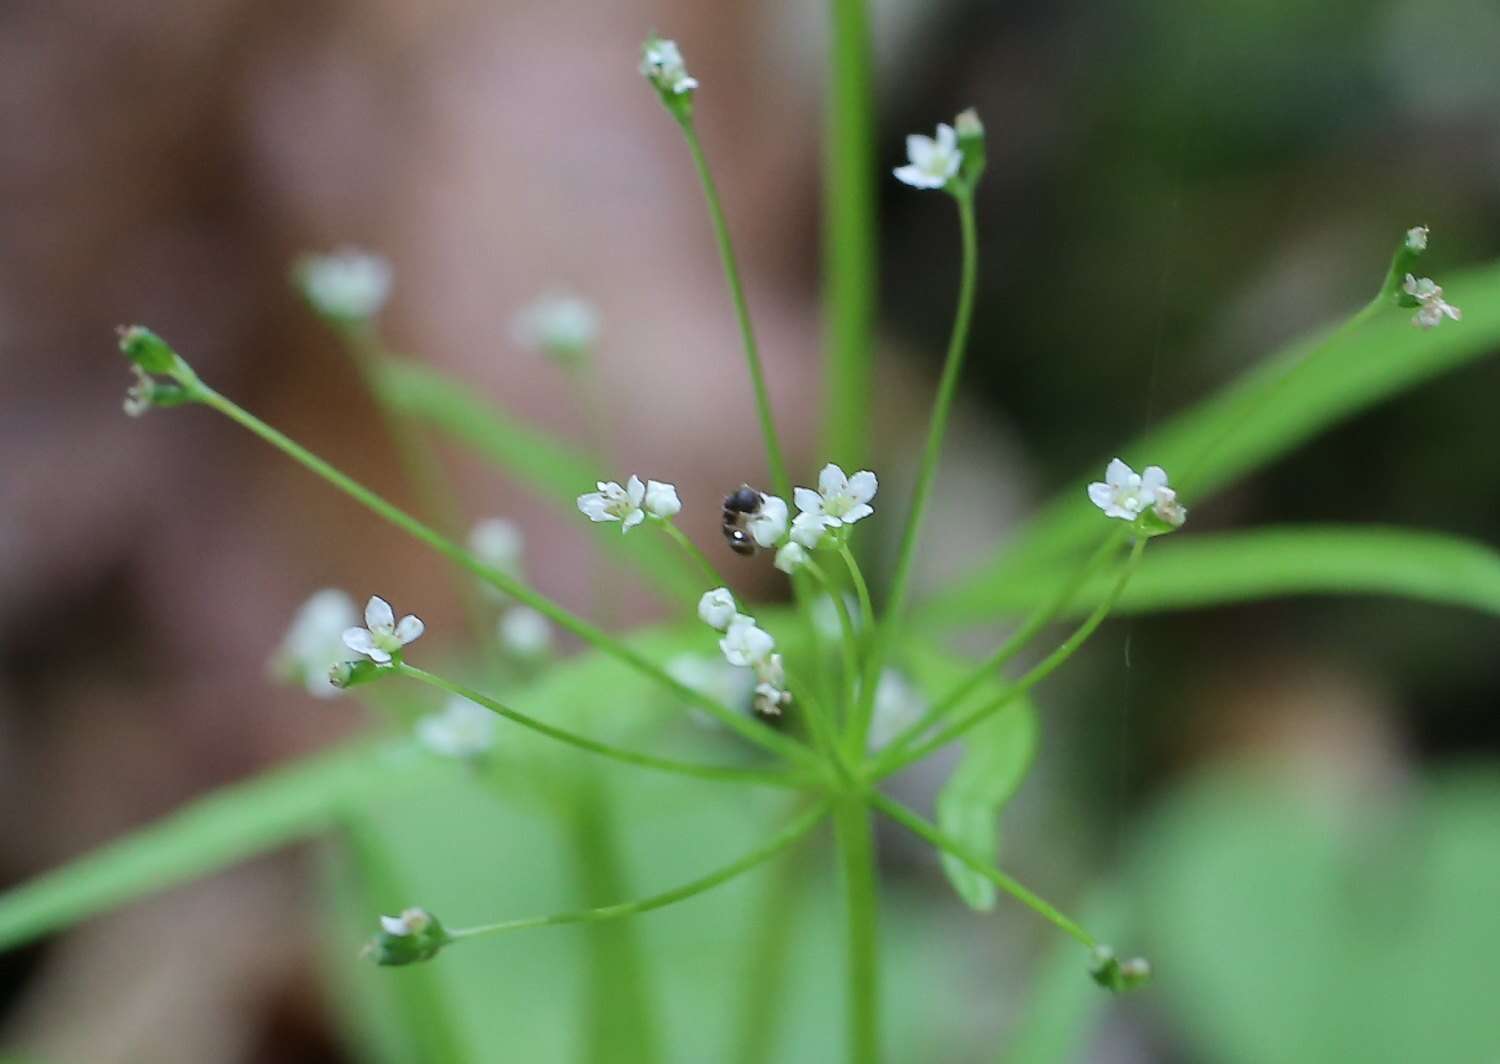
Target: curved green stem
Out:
[753,731]
[861,589]
[783,839]
[774,458]
[925,830]
[926,475]
[849,641]
[714,577]
[614,753]
[886,765]
[856,844]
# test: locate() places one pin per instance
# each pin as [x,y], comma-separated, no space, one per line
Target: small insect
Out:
[739,506]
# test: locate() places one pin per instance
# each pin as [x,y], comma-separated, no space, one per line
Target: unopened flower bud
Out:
[1113,974]
[346,674]
[415,935]
[149,351]
[1416,239]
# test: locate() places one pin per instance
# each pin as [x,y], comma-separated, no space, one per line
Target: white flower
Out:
[661,62]
[498,543]
[524,632]
[1431,306]
[314,642]
[839,500]
[791,557]
[462,729]
[349,284]
[898,705]
[933,162]
[767,526]
[1416,239]
[745,643]
[560,325]
[614,503]
[716,608]
[770,699]
[1124,493]
[382,637]
[661,499]
[410,922]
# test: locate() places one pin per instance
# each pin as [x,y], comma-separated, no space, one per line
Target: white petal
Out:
[1101,495]
[1118,475]
[410,628]
[661,499]
[359,640]
[394,925]
[808,529]
[916,177]
[808,501]
[635,491]
[831,481]
[947,138]
[378,615]
[862,486]
[919,150]
[595,506]
[791,557]
[633,518]
[857,511]
[378,656]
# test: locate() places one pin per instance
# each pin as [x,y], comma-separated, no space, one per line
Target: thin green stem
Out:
[755,732]
[861,589]
[614,753]
[849,638]
[774,458]
[709,571]
[821,723]
[854,833]
[923,829]
[927,472]
[889,763]
[782,840]
[1039,619]
[849,252]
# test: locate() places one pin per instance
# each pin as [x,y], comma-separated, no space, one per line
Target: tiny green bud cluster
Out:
[153,359]
[413,937]
[663,66]
[1114,974]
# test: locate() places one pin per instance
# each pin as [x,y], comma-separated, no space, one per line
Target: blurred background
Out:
[1174,191]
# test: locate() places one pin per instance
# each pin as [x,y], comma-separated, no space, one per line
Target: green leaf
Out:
[554,469]
[1279,404]
[227,826]
[996,758]
[1190,571]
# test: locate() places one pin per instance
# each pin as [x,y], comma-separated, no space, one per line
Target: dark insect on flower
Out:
[739,506]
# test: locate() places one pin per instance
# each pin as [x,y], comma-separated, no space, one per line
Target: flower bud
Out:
[149,351]
[663,66]
[1113,974]
[414,936]
[347,674]
[970,132]
[148,393]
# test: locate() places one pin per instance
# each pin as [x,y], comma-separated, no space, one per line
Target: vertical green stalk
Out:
[854,833]
[783,894]
[941,408]
[849,248]
[780,480]
[620,1022]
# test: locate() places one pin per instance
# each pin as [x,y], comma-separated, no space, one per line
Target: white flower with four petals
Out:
[382,637]
[933,162]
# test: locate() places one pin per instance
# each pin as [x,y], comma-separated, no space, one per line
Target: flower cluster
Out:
[1142,498]
[631,504]
[1427,296]
[663,66]
[839,501]
[746,645]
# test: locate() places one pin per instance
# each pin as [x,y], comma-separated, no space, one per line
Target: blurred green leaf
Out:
[227,826]
[1292,396]
[554,469]
[1190,571]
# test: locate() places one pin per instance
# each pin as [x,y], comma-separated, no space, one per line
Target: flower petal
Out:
[1118,474]
[831,481]
[1101,495]
[862,486]
[857,511]
[919,150]
[808,501]
[378,615]
[410,628]
[635,491]
[947,138]
[359,640]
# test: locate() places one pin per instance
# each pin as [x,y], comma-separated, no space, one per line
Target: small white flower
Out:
[462,729]
[791,557]
[770,699]
[524,632]
[661,62]
[1124,493]
[745,643]
[314,642]
[1416,239]
[498,543]
[717,609]
[1432,307]
[349,284]
[614,503]
[933,162]
[661,500]
[382,637]
[767,526]
[410,922]
[898,705]
[839,500]
[558,325]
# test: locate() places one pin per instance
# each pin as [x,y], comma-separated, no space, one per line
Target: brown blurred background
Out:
[1174,189]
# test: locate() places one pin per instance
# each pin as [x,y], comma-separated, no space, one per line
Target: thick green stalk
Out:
[777,463]
[849,251]
[614,753]
[854,833]
[782,840]
[891,762]
[927,473]
[921,828]
[751,730]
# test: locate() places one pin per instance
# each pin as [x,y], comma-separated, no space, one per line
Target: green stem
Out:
[712,574]
[822,725]
[886,765]
[861,589]
[753,731]
[854,833]
[923,829]
[849,252]
[849,641]
[782,840]
[614,753]
[927,473]
[774,458]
